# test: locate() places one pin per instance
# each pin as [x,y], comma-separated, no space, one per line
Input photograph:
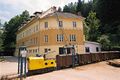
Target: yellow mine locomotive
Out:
[40,65]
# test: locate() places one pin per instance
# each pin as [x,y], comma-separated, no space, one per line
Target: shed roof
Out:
[91,42]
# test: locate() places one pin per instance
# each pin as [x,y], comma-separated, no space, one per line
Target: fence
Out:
[6,53]
[80,59]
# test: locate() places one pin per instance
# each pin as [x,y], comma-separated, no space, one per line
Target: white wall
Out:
[92,46]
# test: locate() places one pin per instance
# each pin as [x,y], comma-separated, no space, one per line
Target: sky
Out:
[11,8]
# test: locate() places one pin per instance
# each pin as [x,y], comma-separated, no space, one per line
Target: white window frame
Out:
[74,24]
[46,24]
[72,37]
[60,37]
[46,38]
[60,23]
[36,27]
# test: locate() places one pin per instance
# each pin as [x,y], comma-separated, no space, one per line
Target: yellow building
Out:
[50,31]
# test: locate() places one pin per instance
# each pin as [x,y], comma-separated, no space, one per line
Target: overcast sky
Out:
[10,8]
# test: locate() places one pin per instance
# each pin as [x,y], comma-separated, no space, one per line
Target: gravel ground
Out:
[9,66]
[97,71]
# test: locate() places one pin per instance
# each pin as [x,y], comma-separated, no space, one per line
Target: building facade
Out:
[92,47]
[49,32]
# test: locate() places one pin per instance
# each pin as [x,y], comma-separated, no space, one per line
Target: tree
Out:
[79,6]
[93,23]
[86,30]
[107,11]
[105,42]
[0,23]
[1,40]
[59,9]
[71,8]
[105,7]
[87,7]
[11,28]
[66,9]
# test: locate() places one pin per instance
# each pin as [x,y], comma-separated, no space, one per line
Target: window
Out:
[49,49]
[46,50]
[30,51]
[33,50]
[23,34]
[72,37]
[61,50]
[23,43]
[46,38]
[31,41]
[74,24]
[36,50]
[68,50]
[97,49]
[36,27]
[30,31]
[27,32]
[36,40]
[60,37]
[87,49]
[46,24]
[60,24]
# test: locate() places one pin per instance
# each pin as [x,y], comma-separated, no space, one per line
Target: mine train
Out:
[38,65]
[41,65]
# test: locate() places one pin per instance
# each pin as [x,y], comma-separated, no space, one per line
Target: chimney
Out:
[37,13]
[54,8]
[50,10]
[32,17]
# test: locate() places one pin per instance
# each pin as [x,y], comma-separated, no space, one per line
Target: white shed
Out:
[92,47]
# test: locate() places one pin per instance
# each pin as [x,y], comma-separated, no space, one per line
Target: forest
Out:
[101,24]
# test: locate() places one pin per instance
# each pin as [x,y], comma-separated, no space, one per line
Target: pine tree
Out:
[59,9]
[93,23]
[79,6]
